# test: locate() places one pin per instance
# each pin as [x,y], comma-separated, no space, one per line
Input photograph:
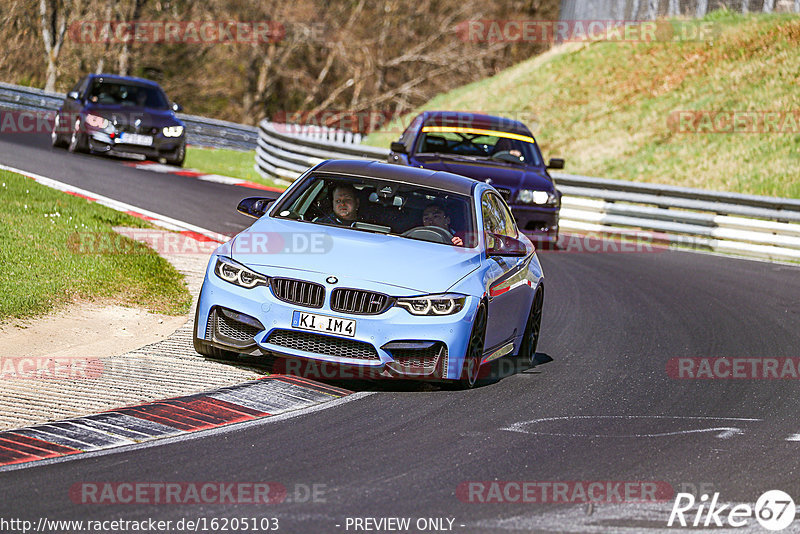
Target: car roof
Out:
[474,120]
[441,180]
[118,78]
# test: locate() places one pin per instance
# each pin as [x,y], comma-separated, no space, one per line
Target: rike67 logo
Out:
[774,510]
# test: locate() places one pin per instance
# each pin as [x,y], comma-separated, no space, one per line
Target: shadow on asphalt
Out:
[347,377]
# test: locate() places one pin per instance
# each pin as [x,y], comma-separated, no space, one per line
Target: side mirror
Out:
[177,108]
[555,163]
[255,207]
[72,95]
[398,147]
[502,245]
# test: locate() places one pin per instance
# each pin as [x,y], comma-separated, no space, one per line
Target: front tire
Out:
[474,355]
[178,158]
[55,139]
[77,141]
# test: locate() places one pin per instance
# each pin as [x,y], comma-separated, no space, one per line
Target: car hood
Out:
[352,256]
[128,114]
[501,175]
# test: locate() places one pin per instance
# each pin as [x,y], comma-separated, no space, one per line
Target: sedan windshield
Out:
[479,145]
[123,94]
[380,206]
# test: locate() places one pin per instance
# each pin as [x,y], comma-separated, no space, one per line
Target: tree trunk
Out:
[53,20]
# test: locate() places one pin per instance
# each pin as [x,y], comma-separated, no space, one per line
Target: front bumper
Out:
[391,344]
[101,142]
[539,223]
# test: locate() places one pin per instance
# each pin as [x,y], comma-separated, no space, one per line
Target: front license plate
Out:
[323,323]
[135,139]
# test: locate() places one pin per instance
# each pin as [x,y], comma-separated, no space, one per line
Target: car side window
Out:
[408,135]
[80,87]
[492,220]
[508,224]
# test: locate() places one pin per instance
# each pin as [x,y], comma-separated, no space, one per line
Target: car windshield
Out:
[381,206]
[123,94]
[480,145]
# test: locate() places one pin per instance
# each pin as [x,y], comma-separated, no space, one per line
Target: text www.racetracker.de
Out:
[196,524]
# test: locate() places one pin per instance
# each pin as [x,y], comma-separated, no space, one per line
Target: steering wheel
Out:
[505,155]
[430,233]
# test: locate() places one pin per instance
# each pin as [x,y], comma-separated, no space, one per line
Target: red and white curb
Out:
[216,178]
[269,396]
[196,232]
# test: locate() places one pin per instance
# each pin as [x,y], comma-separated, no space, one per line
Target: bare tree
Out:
[54,15]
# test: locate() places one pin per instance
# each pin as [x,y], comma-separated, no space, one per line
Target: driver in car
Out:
[434,215]
[345,206]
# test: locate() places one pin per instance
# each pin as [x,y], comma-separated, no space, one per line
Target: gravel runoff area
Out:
[95,383]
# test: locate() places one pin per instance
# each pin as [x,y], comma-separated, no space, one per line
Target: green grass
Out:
[609,108]
[226,162]
[43,269]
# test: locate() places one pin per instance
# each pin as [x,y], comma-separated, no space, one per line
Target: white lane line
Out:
[155,218]
[724,432]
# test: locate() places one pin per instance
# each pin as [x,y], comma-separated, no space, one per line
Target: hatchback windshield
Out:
[123,94]
[406,210]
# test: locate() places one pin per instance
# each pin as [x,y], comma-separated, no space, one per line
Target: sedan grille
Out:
[298,292]
[359,302]
[323,345]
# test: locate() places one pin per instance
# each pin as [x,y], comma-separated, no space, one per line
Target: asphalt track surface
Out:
[602,407]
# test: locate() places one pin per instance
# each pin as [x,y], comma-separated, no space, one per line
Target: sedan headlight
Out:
[238,274]
[528,196]
[97,121]
[441,304]
[173,131]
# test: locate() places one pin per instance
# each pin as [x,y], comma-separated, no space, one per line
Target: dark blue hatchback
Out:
[121,115]
[495,150]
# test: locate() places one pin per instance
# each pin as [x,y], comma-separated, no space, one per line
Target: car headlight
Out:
[173,131]
[441,304]
[238,274]
[528,196]
[97,121]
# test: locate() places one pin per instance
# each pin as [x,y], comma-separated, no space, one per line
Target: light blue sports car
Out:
[396,271]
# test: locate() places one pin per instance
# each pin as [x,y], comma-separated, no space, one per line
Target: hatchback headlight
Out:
[238,274]
[173,131]
[441,304]
[528,196]
[97,121]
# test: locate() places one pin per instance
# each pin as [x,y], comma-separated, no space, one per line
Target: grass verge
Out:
[611,108]
[226,162]
[41,271]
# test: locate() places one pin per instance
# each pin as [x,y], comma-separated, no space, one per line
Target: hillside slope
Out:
[614,109]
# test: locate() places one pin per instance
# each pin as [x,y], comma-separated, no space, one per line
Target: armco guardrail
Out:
[747,225]
[199,130]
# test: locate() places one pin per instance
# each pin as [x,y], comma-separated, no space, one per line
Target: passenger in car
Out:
[435,215]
